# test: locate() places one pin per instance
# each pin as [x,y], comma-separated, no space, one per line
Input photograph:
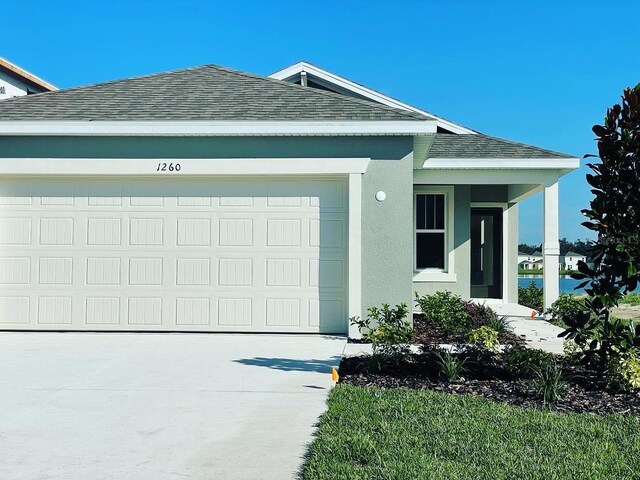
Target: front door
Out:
[486,253]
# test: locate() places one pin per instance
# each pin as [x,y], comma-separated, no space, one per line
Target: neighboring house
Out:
[15,81]
[571,259]
[241,203]
[530,261]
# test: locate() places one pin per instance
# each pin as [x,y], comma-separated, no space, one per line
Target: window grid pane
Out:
[430,231]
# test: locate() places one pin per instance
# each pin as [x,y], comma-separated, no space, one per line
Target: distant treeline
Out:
[578,246]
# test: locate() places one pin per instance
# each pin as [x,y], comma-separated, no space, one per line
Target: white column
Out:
[550,245]
[355,250]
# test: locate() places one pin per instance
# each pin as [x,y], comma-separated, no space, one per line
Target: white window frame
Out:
[446,274]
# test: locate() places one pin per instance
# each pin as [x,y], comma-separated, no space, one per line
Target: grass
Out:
[415,434]
[537,271]
[631,299]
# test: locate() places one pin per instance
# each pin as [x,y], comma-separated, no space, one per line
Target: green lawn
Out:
[410,434]
[631,299]
[522,271]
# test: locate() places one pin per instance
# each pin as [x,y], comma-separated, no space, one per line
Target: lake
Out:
[567,284]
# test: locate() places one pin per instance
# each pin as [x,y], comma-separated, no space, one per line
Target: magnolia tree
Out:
[614,215]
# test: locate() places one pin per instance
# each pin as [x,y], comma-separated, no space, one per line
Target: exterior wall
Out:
[461,245]
[10,86]
[464,196]
[387,233]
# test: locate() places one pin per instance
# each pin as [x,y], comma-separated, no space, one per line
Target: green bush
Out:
[480,313]
[387,329]
[625,371]
[549,382]
[485,338]
[521,361]
[446,310]
[450,366]
[567,306]
[531,296]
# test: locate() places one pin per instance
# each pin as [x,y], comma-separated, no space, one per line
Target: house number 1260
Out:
[168,167]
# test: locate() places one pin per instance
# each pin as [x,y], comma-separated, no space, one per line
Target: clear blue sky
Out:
[535,72]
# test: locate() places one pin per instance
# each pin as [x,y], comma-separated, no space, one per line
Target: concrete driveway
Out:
[160,406]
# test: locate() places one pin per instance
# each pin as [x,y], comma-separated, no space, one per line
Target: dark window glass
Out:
[429,250]
[430,212]
[439,208]
[421,212]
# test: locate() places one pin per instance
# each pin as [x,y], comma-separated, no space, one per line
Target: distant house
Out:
[15,81]
[570,260]
[530,261]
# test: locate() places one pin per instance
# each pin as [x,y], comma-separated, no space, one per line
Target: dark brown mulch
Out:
[582,396]
[427,332]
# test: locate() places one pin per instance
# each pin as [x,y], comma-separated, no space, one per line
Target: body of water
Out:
[567,284]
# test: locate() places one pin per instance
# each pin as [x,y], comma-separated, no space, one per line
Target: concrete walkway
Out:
[539,333]
[160,406]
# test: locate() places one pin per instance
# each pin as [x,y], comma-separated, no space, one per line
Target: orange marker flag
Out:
[334,375]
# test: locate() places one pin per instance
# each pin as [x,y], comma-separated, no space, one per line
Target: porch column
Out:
[551,245]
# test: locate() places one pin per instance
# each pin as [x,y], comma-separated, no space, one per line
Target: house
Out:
[530,261]
[571,259]
[241,203]
[15,81]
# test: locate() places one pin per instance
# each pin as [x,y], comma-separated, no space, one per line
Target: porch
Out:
[482,181]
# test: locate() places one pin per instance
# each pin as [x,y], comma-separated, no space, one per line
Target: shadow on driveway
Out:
[293,364]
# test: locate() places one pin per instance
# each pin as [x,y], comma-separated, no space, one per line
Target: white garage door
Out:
[250,254]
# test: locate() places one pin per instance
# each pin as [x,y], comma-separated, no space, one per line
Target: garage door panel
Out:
[219,255]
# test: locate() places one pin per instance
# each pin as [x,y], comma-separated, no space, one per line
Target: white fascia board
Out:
[186,167]
[358,89]
[502,163]
[205,128]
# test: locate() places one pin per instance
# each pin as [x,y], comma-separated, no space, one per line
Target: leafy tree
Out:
[614,215]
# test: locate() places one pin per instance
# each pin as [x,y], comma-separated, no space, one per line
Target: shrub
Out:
[485,338]
[614,215]
[480,313]
[625,372]
[531,296]
[549,382]
[602,341]
[446,310]
[567,306]
[499,324]
[522,361]
[387,329]
[450,366]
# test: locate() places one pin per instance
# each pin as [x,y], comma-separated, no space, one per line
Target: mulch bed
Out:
[495,383]
[427,332]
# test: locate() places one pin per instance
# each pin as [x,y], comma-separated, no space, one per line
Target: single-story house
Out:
[16,81]
[209,199]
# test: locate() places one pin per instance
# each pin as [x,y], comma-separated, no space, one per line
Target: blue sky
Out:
[535,72]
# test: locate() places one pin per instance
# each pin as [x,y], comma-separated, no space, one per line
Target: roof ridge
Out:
[311,91]
[358,101]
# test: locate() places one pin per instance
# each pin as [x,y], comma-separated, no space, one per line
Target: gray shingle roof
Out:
[208,92]
[483,146]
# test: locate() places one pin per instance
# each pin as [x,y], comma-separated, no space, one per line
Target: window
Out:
[431,222]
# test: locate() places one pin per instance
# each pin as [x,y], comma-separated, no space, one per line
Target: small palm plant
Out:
[549,382]
[450,366]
